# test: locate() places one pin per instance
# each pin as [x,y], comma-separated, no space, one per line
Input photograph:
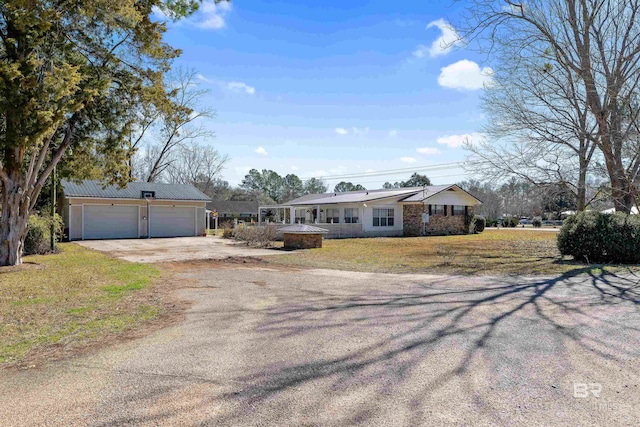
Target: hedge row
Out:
[596,237]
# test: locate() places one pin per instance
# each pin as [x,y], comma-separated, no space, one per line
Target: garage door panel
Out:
[110,222]
[169,221]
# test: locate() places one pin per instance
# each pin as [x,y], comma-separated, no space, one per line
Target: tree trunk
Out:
[582,190]
[13,224]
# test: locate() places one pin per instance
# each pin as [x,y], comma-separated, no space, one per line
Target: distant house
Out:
[228,209]
[140,210]
[415,211]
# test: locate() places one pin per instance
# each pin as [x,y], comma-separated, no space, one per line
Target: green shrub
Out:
[480,224]
[492,223]
[510,221]
[536,222]
[596,237]
[38,238]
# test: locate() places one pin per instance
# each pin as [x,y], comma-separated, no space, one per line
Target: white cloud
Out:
[241,87]
[408,159]
[202,78]
[456,141]
[261,151]
[420,51]
[211,16]
[393,133]
[294,168]
[369,170]
[360,131]
[465,75]
[442,45]
[353,131]
[428,151]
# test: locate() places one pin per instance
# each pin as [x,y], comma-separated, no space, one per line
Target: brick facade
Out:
[302,241]
[412,219]
[438,224]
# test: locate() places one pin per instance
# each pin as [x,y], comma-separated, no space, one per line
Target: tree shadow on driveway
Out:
[436,341]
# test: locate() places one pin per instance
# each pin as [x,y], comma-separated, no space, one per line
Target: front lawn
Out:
[55,303]
[489,253]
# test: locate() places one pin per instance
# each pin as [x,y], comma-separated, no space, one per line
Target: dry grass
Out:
[500,252]
[57,302]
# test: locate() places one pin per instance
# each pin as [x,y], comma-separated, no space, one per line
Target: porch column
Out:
[259,216]
[318,215]
[292,215]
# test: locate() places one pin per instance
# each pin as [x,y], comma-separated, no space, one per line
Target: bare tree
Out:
[598,42]
[170,126]
[539,129]
[196,164]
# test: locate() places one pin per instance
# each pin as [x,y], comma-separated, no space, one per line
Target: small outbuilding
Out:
[302,236]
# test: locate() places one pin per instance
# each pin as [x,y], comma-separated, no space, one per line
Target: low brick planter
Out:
[302,241]
[301,236]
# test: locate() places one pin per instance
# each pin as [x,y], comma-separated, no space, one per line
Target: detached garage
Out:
[139,211]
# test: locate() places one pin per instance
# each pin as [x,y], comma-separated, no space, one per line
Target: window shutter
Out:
[429,210]
[445,210]
[453,211]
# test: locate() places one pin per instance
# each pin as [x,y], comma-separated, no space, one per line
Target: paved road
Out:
[176,249]
[318,347]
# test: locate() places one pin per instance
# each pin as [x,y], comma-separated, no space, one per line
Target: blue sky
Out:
[335,87]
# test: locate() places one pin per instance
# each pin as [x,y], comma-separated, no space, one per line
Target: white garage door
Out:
[172,222]
[110,222]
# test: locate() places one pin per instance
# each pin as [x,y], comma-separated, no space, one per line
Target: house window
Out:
[351,215]
[383,217]
[301,216]
[437,210]
[332,216]
[458,210]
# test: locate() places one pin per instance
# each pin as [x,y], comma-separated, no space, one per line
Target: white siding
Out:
[451,198]
[368,217]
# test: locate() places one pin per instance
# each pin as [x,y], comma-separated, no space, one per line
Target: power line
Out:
[427,168]
[431,177]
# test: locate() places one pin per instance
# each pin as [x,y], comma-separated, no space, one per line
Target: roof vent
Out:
[148,194]
[367,192]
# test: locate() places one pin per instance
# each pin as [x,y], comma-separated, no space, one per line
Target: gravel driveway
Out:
[175,249]
[315,347]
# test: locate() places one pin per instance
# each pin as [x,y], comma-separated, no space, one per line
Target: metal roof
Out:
[95,189]
[302,229]
[236,207]
[353,196]
[432,190]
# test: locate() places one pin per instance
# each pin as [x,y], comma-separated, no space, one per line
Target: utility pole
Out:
[53,209]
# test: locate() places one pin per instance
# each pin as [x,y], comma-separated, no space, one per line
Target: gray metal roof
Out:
[234,207]
[353,196]
[302,229]
[94,189]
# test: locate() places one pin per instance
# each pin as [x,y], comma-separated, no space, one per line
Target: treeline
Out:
[520,198]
